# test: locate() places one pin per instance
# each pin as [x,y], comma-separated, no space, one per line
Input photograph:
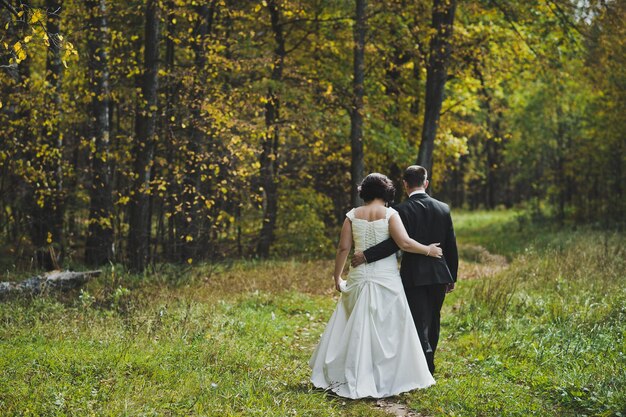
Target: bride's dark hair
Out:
[377,185]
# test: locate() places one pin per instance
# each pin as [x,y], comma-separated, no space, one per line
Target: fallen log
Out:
[50,281]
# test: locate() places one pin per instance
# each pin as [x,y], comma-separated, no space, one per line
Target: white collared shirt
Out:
[417,192]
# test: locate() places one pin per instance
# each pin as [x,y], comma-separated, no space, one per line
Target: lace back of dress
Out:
[369,233]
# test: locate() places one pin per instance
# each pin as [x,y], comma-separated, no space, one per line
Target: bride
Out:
[370,346]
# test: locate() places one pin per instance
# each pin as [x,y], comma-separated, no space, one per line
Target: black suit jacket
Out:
[426,220]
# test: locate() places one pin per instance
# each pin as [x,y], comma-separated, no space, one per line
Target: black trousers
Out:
[425,303]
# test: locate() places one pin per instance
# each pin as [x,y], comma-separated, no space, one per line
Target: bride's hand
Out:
[340,284]
[337,286]
[434,250]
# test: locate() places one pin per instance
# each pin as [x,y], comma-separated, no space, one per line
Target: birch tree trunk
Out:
[99,246]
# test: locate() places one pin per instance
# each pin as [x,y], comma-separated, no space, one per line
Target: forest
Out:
[192,162]
[180,131]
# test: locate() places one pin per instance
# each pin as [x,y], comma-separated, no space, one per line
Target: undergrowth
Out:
[543,335]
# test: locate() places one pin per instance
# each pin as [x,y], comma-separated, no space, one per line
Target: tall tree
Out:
[436,75]
[191,182]
[271,137]
[357,166]
[145,125]
[492,144]
[171,81]
[47,202]
[16,114]
[99,246]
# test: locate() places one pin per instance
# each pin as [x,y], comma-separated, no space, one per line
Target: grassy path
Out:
[539,330]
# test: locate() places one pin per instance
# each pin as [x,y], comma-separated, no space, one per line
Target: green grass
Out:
[226,343]
[512,233]
[543,336]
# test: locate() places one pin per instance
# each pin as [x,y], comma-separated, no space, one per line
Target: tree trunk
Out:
[57,280]
[493,145]
[393,62]
[270,142]
[174,218]
[436,74]
[99,246]
[145,123]
[19,113]
[357,166]
[47,203]
[191,220]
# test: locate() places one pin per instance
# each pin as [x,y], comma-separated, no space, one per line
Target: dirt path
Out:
[476,262]
[397,409]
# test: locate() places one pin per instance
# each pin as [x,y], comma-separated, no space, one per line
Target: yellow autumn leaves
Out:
[35,18]
[20,53]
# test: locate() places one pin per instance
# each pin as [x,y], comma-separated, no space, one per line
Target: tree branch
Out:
[564,18]
[9,7]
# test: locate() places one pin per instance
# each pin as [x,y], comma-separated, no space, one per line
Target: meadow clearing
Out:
[536,326]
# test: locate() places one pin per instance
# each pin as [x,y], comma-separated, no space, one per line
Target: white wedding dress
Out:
[370,347]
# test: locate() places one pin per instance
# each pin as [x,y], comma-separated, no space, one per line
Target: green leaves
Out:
[535,95]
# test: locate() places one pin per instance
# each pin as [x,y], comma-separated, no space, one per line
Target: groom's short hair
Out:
[415,176]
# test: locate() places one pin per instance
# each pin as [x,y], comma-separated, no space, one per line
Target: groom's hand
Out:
[358,259]
[450,288]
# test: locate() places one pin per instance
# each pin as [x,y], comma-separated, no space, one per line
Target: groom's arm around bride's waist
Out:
[380,251]
[375,253]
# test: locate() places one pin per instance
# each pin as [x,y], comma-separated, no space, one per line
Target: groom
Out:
[426,279]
